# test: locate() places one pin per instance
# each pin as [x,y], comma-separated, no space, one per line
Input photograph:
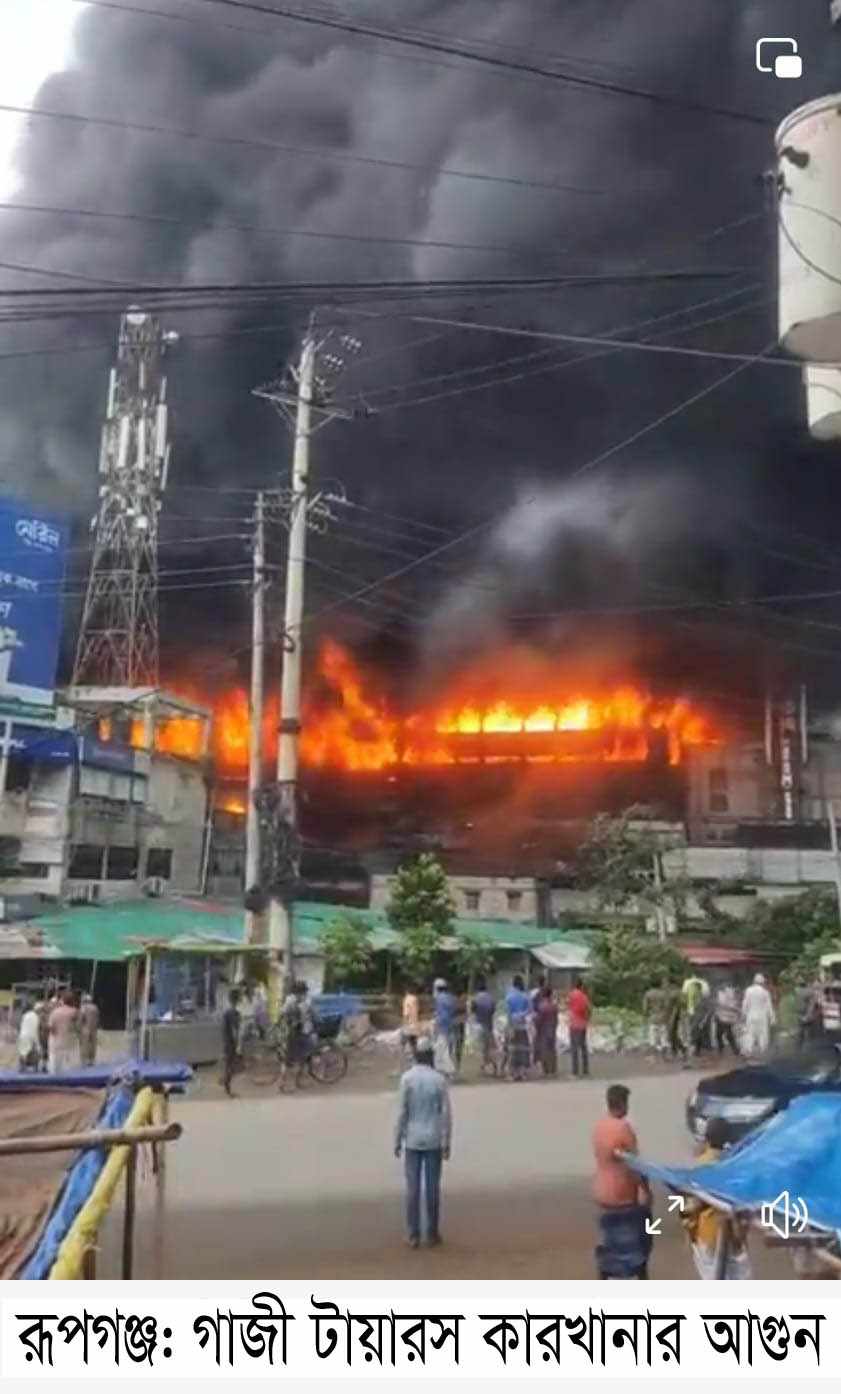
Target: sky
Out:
[722,502]
[35,40]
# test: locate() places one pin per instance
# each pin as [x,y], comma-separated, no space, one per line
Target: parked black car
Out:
[751,1094]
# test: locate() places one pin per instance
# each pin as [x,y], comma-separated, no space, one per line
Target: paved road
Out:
[308,1186]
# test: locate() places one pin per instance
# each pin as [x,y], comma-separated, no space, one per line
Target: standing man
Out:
[88,1030]
[446,1012]
[809,1014]
[726,1018]
[579,1011]
[656,1008]
[231,1031]
[483,1008]
[411,1022]
[29,1049]
[623,1197]
[424,1129]
[63,1036]
[759,1017]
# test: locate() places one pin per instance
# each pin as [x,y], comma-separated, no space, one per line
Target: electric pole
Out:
[305,403]
[255,734]
[118,634]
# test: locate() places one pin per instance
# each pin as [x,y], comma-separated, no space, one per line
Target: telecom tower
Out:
[118,635]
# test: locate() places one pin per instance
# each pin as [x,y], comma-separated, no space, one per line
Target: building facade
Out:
[124,809]
[517,899]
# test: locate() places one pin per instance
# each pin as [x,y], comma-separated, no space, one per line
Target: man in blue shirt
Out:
[424,1129]
[445,1005]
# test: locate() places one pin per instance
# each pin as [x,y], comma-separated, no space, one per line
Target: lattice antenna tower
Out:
[118,635]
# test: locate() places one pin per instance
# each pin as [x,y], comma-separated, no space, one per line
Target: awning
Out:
[564,955]
[797,1154]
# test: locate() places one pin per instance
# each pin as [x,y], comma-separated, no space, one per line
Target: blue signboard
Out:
[42,745]
[33,546]
[107,755]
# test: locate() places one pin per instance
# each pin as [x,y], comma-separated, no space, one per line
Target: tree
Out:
[783,928]
[804,968]
[346,945]
[420,896]
[474,954]
[421,910]
[627,962]
[618,862]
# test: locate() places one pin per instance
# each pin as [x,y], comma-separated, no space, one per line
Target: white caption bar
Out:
[265,1330]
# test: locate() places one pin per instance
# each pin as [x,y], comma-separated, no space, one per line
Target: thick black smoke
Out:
[664,178]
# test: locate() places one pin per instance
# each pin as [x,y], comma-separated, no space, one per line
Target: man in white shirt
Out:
[29,1049]
[759,1016]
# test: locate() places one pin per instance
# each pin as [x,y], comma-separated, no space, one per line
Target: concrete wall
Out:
[512,898]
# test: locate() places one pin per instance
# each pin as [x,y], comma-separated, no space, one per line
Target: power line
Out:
[454,50]
[297,151]
[261,229]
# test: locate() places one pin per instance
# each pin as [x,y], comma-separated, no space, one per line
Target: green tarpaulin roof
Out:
[115,931]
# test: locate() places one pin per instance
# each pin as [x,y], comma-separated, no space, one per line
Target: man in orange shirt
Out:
[623,1197]
[578,1016]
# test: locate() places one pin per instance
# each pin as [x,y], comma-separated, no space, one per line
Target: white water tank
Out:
[823,401]
[808,145]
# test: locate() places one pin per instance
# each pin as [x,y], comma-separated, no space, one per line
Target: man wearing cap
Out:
[424,1132]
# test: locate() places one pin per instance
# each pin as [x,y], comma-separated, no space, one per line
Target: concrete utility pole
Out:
[255,732]
[833,842]
[307,406]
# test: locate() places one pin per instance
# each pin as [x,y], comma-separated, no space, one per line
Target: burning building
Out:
[484,768]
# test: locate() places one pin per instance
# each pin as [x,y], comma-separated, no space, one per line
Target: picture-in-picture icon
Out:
[787,64]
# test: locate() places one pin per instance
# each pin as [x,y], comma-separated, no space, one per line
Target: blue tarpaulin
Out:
[152,1072]
[79,1182]
[798,1151]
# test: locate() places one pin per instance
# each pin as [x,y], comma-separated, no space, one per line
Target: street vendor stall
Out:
[176,993]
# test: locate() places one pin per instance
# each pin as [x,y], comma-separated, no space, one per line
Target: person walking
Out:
[623,1198]
[759,1017]
[29,1049]
[726,1018]
[579,1011]
[546,1033]
[705,1226]
[45,1010]
[424,1131]
[459,1031]
[674,1023]
[88,1030]
[483,1008]
[63,1036]
[655,1006]
[231,1037]
[518,1042]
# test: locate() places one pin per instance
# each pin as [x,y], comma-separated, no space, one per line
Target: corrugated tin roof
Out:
[563,953]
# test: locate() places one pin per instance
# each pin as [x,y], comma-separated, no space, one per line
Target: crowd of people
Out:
[694,1019]
[512,1035]
[58,1034]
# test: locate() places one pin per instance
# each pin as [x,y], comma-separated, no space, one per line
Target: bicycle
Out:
[265,1063]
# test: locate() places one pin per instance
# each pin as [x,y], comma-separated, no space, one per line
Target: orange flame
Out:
[349,726]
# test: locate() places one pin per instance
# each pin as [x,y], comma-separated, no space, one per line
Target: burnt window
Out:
[718,781]
[159,862]
[515,899]
[121,864]
[86,861]
[35,871]
[471,900]
[719,803]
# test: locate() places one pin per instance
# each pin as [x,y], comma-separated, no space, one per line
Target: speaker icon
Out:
[794,1214]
